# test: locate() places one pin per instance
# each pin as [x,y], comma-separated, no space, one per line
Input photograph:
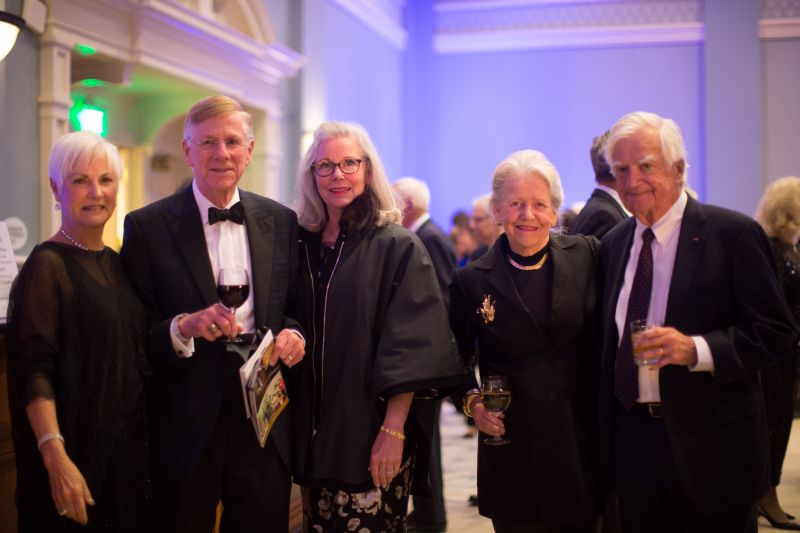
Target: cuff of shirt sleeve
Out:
[705,363]
[183,346]
[298,334]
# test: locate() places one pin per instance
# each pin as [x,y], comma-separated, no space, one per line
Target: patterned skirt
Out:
[377,510]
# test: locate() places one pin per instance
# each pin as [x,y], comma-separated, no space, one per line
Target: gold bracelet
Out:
[393,433]
[466,403]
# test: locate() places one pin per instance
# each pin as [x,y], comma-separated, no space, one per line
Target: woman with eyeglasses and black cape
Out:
[377,334]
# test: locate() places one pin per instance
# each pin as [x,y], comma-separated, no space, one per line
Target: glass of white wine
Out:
[496,397]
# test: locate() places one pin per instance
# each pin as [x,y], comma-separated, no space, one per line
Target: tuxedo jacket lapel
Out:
[260,234]
[691,242]
[186,226]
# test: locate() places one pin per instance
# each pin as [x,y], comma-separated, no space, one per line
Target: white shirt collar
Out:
[666,225]
[204,203]
[613,194]
[414,227]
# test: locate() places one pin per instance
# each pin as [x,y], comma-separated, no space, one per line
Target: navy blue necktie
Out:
[234,214]
[626,374]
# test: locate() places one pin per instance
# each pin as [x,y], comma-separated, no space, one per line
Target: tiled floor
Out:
[459,457]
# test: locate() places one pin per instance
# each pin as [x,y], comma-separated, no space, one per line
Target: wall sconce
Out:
[9,29]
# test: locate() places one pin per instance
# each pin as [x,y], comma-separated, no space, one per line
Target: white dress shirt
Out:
[665,247]
[228,247]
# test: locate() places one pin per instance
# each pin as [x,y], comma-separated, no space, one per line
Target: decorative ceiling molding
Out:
[173,38]
[384,17]
[780,9]
[568,38]
[783,28]
[481,26]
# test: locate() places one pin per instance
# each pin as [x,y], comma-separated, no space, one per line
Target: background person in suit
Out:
[604,208]
[689,432]
[203,447]
[529,309]
[483,225]
[779,214]
[414,198]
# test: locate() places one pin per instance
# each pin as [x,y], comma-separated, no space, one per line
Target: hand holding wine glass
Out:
[233,287]
[496,397]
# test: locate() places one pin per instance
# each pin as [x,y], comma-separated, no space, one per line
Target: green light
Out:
[87,117]
[85,50]
[92,82]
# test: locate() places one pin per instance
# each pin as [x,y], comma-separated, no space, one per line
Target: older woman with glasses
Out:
[528,309]
[77,361]
[377,334]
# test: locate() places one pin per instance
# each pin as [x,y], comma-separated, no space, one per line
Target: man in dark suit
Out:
[414,197]
[687,432]
[204,448]
[604,208]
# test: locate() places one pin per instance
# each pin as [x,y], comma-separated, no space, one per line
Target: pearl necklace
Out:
[73,241]
[537,266]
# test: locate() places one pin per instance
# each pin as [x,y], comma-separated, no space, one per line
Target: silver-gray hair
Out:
[524,163]
[415,192]
[79,148]
[672,146]
[311,211]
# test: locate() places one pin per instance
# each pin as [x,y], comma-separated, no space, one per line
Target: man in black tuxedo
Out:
[203,447]
[687,433]
[604,208]
[429,512]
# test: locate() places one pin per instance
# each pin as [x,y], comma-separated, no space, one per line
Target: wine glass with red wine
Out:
[233,287]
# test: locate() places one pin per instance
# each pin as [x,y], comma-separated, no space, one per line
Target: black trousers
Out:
[651,496]
[253,483]
[431,509]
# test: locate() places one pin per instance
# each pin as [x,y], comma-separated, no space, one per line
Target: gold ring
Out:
[290,358]
[212,328]
[62,513]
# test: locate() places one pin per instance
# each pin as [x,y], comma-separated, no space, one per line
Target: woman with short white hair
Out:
[77,361]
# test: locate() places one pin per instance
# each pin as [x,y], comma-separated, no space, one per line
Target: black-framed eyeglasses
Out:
[324,169]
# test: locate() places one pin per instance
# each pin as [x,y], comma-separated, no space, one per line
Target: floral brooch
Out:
[487,309]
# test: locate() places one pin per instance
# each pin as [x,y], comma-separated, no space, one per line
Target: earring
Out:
[57,206]
[366,188]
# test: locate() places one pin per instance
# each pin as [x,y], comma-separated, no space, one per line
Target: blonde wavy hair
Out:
[311,211]
[778,211]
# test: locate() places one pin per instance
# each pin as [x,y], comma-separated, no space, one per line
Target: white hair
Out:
[415,192]
[79,148]
[672,147]
[311,211]
[524,163]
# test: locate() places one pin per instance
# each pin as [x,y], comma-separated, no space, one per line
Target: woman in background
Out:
[377,333]
[528,309]
[77,362]
[779,215]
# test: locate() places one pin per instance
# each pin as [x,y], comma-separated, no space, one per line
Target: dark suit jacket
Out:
[550,471]
[598,216]
[166,257]
[442,253]
[724,288]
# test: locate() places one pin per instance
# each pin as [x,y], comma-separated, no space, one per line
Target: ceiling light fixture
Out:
[9,29]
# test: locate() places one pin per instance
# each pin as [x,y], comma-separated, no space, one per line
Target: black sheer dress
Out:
[779,381]
[76,333]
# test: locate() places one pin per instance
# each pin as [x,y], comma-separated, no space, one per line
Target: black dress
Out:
[779,381]
[76,333]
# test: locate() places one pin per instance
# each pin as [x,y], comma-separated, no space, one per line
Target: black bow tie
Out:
[234,214]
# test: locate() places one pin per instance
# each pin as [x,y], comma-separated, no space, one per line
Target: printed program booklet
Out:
[263,388]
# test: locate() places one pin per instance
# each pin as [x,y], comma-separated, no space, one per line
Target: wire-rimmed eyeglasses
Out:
[347,166]
[232,144]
